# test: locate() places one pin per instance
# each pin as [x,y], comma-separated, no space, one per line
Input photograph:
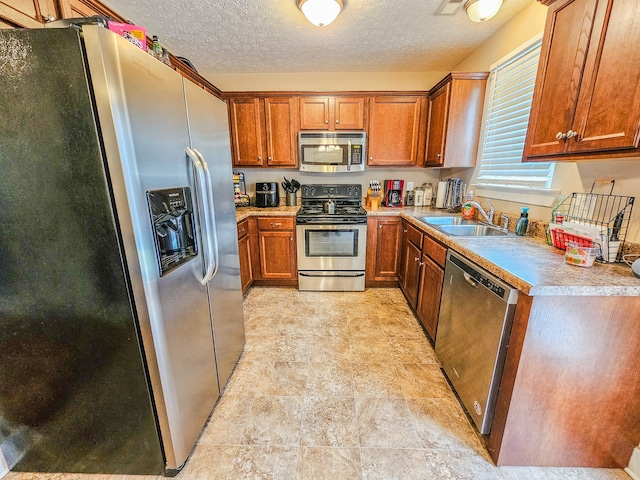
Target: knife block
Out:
[373,199]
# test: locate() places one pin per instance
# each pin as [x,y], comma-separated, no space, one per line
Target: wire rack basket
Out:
[592,219]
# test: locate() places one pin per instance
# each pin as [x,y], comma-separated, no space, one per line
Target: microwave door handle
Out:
[349,156]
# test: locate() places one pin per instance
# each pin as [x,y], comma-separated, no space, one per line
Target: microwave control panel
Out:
[356,154]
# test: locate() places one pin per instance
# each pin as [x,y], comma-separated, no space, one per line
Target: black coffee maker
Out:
[267,194]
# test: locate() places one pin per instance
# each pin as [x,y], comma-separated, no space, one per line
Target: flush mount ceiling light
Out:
[321,12]
[482,10]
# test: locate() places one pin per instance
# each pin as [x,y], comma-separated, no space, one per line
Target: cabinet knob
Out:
[571,134]
[379,226]
[421,263]
[48,18]
[404,230]
[276,224]
[268,158]
[561,136]
[370,158]
[416,259]
[337,121]
[439,155]
[259,157]
[326,121]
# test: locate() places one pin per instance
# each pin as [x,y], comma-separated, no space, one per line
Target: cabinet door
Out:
[562,60]
[280,118]
[246,132]
[277,255]
[26,13]
[428,309]
[608,110]
[411,269]
[394,130]
[314,113]
[437,128]
[384,235]
[349,113]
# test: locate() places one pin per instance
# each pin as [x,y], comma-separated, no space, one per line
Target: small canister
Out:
[419,197]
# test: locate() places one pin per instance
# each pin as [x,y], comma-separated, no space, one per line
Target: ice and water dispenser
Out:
[172,217]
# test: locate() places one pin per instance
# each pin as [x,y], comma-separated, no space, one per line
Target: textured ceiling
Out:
[272,36]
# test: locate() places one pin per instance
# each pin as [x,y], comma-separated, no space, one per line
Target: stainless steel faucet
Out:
[488,216]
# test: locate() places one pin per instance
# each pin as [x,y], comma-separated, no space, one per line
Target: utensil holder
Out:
[292,200]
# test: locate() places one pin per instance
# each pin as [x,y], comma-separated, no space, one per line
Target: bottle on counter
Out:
[468,210]
[523,222]
[157,48]
[428,194]
[418,198]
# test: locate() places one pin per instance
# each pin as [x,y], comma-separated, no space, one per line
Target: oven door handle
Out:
[329,274]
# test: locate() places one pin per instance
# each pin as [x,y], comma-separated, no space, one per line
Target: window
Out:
[508,104]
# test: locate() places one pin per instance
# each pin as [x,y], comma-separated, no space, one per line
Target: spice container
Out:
[579,255]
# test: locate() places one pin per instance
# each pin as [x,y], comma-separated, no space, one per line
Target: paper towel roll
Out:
[442,194]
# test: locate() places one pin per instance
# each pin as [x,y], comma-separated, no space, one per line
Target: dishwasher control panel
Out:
[487,282]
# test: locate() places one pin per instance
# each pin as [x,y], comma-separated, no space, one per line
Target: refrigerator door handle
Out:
[213,230]
[201,188]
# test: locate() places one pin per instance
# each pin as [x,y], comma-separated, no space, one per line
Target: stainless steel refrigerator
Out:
[120,299]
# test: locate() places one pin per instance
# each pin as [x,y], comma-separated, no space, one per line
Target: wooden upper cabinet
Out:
[247,132]
[27,13]
[263,131]
[349,113]
[586,101]
[454,120]
[280,121]
[395,130]
[331,113]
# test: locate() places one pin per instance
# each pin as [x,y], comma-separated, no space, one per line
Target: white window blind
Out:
[505,126]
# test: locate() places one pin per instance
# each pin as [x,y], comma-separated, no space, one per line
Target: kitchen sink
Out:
[473,230]
[447,221]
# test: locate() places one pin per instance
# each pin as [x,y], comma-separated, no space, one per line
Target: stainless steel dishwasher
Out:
[476,314]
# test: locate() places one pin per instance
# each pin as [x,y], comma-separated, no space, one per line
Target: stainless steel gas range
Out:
[332,238]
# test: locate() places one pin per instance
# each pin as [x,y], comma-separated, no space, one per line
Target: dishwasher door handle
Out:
[470,280]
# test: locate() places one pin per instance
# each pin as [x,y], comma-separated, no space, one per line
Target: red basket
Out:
[560,239]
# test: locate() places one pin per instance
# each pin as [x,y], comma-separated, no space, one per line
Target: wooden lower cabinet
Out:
[430,288]
[421,275]
[409,272]
[569,394]
[383,247]
[244,252]
[276,238]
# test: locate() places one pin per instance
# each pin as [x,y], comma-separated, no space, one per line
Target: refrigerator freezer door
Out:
[74,395]
[140,104]
[209,131]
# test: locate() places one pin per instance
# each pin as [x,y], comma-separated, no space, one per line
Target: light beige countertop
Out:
[281,211]
[527,263]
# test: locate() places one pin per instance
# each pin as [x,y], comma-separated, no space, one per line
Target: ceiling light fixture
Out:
[321,12]
[482,10]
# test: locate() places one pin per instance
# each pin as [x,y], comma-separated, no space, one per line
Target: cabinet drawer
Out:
[413,235]
[243,229]
[276,223]
[435,250]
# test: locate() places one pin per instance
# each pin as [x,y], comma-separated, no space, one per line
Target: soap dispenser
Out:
[523,222]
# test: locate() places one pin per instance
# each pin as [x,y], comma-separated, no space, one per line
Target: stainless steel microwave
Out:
[330,152]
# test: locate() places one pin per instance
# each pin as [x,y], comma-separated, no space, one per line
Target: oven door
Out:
[331,257]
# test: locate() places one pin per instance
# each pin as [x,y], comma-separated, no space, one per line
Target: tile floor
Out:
[340,386]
